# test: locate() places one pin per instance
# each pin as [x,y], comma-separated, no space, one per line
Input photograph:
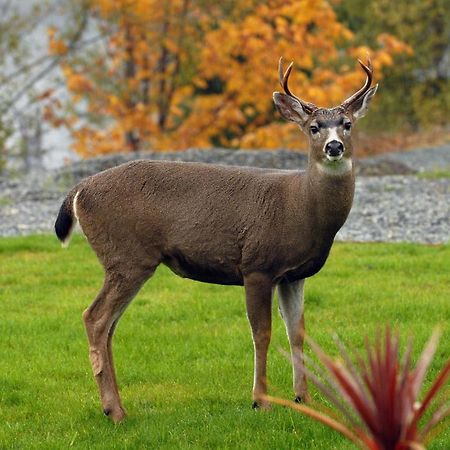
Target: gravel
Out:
[399,209]
[393,199]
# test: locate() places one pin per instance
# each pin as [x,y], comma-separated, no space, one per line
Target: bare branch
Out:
[30,83]
[42,59]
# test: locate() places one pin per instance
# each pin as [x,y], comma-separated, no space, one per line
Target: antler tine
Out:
[369,71]
[280,70]
[369,77]
[284,79]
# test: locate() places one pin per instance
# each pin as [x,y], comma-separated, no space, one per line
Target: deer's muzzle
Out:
[334,150]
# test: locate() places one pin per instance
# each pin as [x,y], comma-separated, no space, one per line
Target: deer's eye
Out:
[347,126]
[314,129]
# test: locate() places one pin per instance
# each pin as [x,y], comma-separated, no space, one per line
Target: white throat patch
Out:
[337,168]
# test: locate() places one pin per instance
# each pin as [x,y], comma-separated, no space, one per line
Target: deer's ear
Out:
[290,108]
[359,107]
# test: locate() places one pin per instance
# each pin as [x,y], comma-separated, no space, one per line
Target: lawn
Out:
[183,349]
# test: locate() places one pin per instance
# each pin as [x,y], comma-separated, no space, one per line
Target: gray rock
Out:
[399,209]
[420,160]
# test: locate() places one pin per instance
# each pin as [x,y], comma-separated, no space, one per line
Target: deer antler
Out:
[357,95]
[308,107]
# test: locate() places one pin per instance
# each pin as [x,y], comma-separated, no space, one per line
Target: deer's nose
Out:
[334,148]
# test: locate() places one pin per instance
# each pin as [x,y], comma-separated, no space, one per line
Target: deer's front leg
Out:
[258,294]
[292,310]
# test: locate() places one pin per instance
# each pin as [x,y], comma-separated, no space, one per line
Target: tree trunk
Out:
[132,137]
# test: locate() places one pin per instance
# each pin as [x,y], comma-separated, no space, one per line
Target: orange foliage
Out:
[56,46]
[183,73]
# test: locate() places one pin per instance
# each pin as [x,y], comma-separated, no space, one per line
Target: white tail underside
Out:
[66,241]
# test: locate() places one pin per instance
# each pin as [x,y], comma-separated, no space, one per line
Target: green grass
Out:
[183,349]
[5,201]
[434,174]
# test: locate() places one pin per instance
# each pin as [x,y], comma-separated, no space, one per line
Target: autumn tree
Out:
[182,73]
[238,69]
[417,87]
[123,92]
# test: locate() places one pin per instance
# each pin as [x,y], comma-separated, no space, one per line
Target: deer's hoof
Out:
[118,415]
[115,414]
[302,398]
[261,405]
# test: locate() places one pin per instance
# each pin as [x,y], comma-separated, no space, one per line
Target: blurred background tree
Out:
[15,74]
[415,93]
[182,73]
[25,68]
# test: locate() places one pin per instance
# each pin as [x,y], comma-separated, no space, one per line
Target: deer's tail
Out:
[67,218]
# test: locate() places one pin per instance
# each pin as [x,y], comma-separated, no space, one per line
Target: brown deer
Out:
[260,228]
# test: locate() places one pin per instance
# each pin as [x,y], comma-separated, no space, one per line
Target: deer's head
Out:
[329,129]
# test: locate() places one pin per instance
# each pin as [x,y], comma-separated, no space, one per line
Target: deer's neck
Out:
[329,193]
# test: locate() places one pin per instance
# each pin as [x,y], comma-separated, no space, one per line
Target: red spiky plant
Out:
[378,396]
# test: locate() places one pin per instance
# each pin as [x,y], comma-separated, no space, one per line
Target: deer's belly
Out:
[304,270]
[211,272]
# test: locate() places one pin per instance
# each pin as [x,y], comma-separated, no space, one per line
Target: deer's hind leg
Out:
[100,319]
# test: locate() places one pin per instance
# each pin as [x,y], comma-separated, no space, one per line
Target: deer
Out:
[263,229]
